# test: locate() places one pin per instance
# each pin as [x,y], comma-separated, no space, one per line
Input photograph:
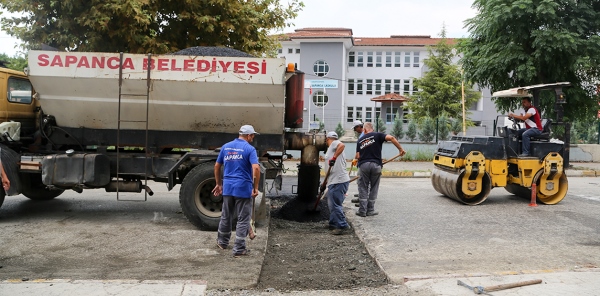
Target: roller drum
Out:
[449,183]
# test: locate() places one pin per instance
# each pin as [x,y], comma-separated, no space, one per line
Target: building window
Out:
[19,91]
[351,59]
[406,59]
[359,86]
[321,68]
[359,59]
[320,98]
[369,114]
[359,113]
[397,59]
[388,86]
[406,86]
[405,114]
[378,59]
[397,86]
[280,50]
[416,59]
[388,59]
[377,112]
[297,50]
[390,114]
[369,87]
[369,59]
[350,114]
[377,86]
[350,86]
[290,50]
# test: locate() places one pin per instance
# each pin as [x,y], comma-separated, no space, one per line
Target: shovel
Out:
[252,230]
[322,189]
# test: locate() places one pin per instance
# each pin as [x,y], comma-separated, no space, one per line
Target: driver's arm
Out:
[520,117]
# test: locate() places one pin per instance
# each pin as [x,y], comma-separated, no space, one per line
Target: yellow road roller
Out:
[466,168]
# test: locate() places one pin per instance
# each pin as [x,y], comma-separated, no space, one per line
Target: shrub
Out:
[411,133]
[398,129]
[427,128]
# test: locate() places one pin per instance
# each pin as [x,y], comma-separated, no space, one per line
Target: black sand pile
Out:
[290,207]
[212,51]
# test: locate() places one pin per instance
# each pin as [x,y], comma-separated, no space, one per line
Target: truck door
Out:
[18,104]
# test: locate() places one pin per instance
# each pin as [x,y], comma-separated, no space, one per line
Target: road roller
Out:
[466,168]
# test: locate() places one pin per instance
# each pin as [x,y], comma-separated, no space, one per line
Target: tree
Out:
[427,127]
[443,127]
[16,62]
[381,125]
[339,129]
[440,88]
[411,133]
[455,126]
[398,129]
[525,42]
[142,26]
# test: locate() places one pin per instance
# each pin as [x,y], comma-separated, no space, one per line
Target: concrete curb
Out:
[422,174]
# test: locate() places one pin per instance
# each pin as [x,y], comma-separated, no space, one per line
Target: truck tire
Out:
[198,204]
[10,160]
[2,195]
[34,189]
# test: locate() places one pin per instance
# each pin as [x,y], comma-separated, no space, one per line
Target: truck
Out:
[114,121]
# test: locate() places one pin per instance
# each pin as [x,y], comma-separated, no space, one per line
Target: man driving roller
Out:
[533,125]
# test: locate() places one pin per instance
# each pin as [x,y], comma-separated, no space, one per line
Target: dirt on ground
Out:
[303,257]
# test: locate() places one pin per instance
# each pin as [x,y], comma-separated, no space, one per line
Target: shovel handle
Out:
[510,285]
[356,177]
[322,189]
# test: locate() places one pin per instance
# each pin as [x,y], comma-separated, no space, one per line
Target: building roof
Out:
[394,40]
[391,97]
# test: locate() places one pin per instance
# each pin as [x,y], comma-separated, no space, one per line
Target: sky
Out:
[366,18]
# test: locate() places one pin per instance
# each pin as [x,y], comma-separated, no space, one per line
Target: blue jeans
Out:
[526,135]
[335,198]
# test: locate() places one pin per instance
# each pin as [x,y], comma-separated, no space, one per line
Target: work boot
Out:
[361,214]
[356,195]
[354,200]
[373,213]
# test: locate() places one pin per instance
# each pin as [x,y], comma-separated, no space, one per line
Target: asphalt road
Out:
[421,233]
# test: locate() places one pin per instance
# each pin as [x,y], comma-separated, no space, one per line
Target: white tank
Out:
[187,93]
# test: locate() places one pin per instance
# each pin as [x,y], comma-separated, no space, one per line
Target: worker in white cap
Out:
[238,186]
[337,184]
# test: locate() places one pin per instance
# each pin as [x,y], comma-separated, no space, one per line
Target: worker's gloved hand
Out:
[332,161]
[354,162]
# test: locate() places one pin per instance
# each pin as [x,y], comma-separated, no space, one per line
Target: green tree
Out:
[381,125]
[411,133]
[339,129]
[440,88]
[525,42]
[17,62]
[142,26]
[443,127]
[398,129]
[427,129]
[455,126]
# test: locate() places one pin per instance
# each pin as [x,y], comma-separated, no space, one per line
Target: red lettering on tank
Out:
[253,68]
[238,67]
[56,61]
[145,64]
[83,62]
[224,66]
[203,66]
[174,65]
[43,60]
[128,64]
[263,67]
[69,60]
[98,62]
[214,65]
[163,64]
[188,65]
[112,63]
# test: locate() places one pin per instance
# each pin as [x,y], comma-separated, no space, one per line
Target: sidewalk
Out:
[422,169]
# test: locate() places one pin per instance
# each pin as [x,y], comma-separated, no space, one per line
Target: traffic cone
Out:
[533,202]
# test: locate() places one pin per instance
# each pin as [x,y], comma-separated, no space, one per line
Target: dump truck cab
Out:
[17,105]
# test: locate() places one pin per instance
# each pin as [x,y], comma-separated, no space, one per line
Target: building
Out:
[344,73]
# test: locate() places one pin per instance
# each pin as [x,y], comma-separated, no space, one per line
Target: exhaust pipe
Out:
[128,186]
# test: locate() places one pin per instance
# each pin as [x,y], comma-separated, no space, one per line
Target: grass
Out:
[418,155]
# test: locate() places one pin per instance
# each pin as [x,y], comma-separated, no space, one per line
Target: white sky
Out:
[366,18]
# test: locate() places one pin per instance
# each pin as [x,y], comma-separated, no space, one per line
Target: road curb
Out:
[421,174]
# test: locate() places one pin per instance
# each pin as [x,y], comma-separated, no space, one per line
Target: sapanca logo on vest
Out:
[367,142]
[233,154]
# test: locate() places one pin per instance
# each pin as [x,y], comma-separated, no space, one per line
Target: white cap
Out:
[357,123]
[332,135]
[247,130]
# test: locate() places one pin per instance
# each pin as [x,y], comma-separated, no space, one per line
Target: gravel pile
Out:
[212,51]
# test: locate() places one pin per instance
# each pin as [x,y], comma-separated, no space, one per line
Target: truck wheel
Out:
[2,195]
[34,189]
[198,204]
[10,160]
